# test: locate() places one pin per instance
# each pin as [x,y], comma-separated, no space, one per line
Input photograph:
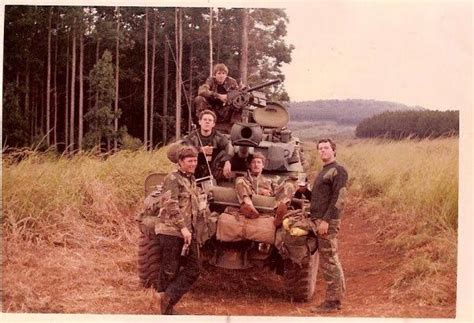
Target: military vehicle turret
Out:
[229,240]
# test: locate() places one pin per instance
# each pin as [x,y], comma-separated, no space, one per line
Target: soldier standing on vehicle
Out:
[327,200]
[255,183]
[214,148]
[212,95]
[177,244]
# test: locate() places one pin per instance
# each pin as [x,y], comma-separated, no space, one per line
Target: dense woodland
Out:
[403,124]
[76,78]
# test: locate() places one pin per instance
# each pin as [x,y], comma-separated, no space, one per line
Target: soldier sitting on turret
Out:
[255,183]
[212,95]
[214,148]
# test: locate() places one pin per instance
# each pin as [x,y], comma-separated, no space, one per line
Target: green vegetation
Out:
[43,190]
[410,188]
[402,124]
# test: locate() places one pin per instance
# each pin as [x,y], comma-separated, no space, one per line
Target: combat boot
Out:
[164,303]
[249,211]
[327,306]
[280,213]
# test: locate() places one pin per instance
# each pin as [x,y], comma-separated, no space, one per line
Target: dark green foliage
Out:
[100,116]
[26,51]
[402,124]
[15,125]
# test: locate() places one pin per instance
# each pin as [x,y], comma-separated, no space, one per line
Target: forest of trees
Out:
[403,124]
[347,112]
[75,78]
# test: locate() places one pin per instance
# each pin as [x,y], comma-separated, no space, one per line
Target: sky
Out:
[411,52]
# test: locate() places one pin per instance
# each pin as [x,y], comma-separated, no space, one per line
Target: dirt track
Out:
[90,273]
[369,270]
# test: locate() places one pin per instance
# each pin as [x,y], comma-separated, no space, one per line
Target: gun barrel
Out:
[258,87]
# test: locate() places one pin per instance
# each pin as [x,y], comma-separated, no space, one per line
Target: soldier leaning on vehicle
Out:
[327,200]
[255,183]
[212,95]
[212,145]
[177,243]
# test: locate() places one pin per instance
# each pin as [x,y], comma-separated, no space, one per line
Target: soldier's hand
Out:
[223,97]
[323,228]
[227,170]
[186,235]
[207,150]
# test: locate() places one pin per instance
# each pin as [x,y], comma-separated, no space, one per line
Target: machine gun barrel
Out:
[258,87]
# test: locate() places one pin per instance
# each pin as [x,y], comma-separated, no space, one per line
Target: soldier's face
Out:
[220,76]
[188,164]
[207,122]
[256,166]
[325,152]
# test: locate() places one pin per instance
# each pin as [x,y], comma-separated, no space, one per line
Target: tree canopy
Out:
[94,31]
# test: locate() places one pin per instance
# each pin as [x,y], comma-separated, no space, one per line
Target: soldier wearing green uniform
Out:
[177,244]
[255,183]
[212,95]
[214,148]
[327,200]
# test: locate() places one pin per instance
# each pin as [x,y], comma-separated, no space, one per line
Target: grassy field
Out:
[408,189]
[411,190]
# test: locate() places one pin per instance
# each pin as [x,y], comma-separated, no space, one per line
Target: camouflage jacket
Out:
[249,185]
[211,88]
[178,205]
[329,192]
[223,150]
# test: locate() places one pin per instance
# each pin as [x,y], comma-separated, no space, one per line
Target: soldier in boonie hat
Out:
[187,151]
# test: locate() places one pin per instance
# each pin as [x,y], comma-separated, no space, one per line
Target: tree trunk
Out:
[179,51]
[218,54]
[152,85]
[48,82]
[55,86]
[190,90]
[210,42]
[145,96]
[41,91]
[117,69]
[73,78]
[35,110]
[245,46]
[96,103]
[81,90]
[165,93]
[27,98]
[66,96]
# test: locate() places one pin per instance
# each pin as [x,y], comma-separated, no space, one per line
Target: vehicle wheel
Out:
[148,259]
[300,281]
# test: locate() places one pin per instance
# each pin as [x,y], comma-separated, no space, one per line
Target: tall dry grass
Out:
[42,190]
[413,186]
[70,238]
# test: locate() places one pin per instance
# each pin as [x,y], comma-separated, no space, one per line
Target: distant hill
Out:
[347,112]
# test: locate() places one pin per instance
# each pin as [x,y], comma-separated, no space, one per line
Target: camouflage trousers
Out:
[283,193]
[329,262]
[177,273]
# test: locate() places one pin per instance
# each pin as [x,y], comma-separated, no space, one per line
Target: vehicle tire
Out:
[300,281]
[148,259]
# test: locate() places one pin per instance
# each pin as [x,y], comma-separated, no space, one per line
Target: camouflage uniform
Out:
[248,185]
[178,209]
[223,151]
[207,99]
[327,200]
